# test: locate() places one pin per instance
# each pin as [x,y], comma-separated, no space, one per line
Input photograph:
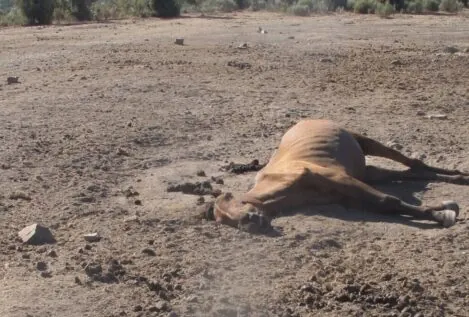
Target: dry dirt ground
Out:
[107,116]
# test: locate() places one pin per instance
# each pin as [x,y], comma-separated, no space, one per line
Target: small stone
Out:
[93,269]
[92,237]
[396,62]
[201,173]
[12,80]
[325,60]
[200,200]
[451,49]
[46,274]
[149,252]
[52,254]
[131,219]
[420,113]
[438,116]
[138,202]
[138,308]
[78,281]
[122,152]
[36,234]
[216,192]
[243,46]
[162,306]
[218,180]
[192,299]
[173,314]
[179,41]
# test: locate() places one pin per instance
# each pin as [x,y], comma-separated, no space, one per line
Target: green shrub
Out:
[415,6]
[300,9]
[38,12]
[384,10]
[219,5]
[431,5]
[242,4]
[81,10]
[364,6]
[103,10]
[166,8]
[451,5]
[14,16]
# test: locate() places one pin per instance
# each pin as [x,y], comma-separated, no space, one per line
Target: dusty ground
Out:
[104,107]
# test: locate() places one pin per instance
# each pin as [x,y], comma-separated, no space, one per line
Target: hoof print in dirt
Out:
[239,65]
[237,168]
[197,188]
[36,234]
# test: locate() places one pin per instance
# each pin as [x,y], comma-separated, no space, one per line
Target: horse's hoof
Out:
[445,217]
[452,205]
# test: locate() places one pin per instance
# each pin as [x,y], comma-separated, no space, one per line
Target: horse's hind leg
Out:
[376,175]
[375,148]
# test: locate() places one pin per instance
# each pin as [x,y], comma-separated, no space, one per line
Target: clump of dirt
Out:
[197,188]
[239,168]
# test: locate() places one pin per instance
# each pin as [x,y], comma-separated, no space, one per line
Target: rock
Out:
[192,299]
[93,269]
[52,254]
[396,62]
[92,237]
[325,60]
[149,252]
[19,196]
[439,116]
[218,180]
[201,173]
[138,308]
[451,49]
[122,152]
[41,266]
[162,306]
[46,274]
[173,314]
[131,219]
[36,234]
[179,41]
[12,80]
[138,202]
[78,281]
[394,145]
[200,200]
[243,46]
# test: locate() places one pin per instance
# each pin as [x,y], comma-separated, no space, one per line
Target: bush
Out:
[219,5]
[384,10]
[431,5]
[415,7]
[166,8]
[451,5]
[300,9]
[364,6]
[39,12]
[242,4]
[81,10]
[13,17]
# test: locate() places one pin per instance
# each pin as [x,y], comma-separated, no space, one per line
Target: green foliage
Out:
[166,8]
[62,11]
[81,10]
[431,5]
[242,4]
[451,5]
[39,12]
[364,6]
[219,5]
[384,10]
[14,16]
[300,9]
[415,6]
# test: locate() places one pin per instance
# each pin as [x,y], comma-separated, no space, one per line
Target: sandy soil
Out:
[107,115]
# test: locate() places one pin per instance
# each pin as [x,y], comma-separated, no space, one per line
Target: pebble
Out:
[149,252]
[92,237]
[41,266]
[201,173]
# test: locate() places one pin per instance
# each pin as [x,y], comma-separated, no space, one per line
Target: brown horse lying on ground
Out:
[318,163]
